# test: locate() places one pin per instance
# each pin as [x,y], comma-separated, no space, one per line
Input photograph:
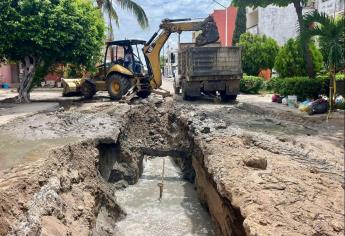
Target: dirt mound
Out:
[62,193]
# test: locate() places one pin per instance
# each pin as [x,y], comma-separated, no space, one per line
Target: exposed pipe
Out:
[161,184]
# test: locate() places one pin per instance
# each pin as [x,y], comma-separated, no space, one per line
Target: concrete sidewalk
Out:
[10,111]
[7,93]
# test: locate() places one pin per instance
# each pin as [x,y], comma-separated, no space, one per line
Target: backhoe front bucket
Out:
[71,87]
[209,32]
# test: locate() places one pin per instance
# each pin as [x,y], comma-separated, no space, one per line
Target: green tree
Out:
[240,25]
[259,52]
[298,4]
[290,62]
[107,8]
[36,32]
[331,37]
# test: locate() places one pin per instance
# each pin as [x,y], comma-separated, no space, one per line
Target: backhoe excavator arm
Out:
[153,47]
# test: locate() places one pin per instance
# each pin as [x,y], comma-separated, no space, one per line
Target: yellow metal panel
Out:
[120,69]
[71,85]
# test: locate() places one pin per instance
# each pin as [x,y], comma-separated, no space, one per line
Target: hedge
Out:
[290,60]
[251,84]
[303,87]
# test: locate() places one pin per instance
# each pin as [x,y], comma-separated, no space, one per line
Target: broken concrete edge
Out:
[67,171]
[226,215]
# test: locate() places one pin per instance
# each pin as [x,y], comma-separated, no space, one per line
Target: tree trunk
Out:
[306,51]
[100,4]
[332,88]
[111,33]
[29,63]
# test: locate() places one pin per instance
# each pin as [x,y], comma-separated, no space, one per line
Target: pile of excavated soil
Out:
[60,193]
[285,179]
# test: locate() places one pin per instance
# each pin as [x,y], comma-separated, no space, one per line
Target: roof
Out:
[126,42]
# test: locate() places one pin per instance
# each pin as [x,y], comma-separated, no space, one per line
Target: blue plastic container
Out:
[5,86]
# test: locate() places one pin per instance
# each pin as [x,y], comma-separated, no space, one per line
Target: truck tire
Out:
[118,86]
[177,90]
[88,90]
[227,98]
[185,95]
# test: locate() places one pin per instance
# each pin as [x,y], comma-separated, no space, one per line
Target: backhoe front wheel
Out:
[118,86]
[88,90]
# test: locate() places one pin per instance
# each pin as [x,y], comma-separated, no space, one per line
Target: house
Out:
[9,74]
[330,7]
[281,23]
[226,21]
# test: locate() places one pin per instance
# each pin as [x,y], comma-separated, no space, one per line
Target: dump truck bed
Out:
[211,63]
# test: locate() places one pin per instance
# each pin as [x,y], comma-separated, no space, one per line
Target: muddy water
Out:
[177,213]
[14,151]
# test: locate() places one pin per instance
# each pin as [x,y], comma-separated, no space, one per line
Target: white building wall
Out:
[330,7]
[279,23]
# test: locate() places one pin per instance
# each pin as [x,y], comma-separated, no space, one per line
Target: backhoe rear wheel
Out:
[118,86]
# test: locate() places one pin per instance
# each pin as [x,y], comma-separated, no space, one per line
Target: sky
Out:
[156,11]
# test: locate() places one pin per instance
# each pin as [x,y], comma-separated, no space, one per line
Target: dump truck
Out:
[209,70]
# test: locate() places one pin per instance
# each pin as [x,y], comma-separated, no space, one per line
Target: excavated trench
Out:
[91,186]
[104,182]
[149,136]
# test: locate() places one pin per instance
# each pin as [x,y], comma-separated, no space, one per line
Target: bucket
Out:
[292,100]
[5,86]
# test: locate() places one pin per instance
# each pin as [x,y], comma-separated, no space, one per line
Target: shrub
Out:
[290,62]
[273,84]
[324,80]
[303,87]
[340,76]
[259,52]
[251,84]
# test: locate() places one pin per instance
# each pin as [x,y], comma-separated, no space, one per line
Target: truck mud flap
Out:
[233,87]
[192,89]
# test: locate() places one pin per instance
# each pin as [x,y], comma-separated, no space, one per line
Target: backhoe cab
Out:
[121,70]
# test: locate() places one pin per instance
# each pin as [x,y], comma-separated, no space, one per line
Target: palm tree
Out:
[330,35]
[107,7]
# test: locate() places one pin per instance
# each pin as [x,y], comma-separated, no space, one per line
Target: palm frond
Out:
[330,33]
[108,8]
[137,10]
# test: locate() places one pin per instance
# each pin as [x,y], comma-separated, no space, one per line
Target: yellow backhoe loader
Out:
[124,73]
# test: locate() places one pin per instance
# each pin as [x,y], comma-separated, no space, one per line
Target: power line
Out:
[219,3]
